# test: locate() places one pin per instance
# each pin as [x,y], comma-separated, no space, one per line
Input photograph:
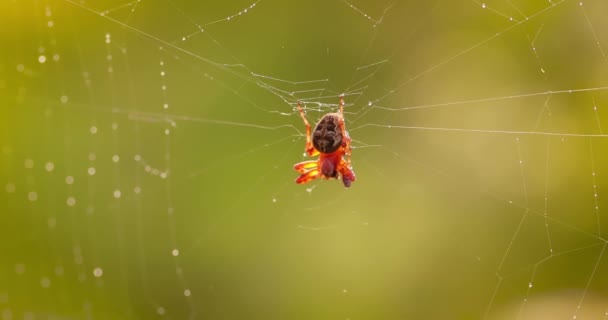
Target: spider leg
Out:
[310,149]
[305,166]
[345,137]
[347,173]
[308,176]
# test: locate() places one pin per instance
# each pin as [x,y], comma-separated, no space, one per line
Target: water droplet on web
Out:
[91,171]
[175,252]
[42,58]
[483,5]
[160,310]
[187,293]
[69,180]
[49,166]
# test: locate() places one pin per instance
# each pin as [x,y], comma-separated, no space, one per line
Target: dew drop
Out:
[97,272]
[45,282]
[28,163]
[19,268]
[10,187]
[32,196]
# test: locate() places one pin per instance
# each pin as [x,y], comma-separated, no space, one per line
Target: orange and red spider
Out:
[331,142]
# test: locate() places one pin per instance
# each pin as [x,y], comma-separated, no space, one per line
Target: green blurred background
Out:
[147,151]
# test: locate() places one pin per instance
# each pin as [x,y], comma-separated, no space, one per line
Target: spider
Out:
[331,142]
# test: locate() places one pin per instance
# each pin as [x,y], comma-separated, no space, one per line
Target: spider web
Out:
[147,151]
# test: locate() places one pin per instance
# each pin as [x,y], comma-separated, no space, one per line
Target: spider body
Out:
[331,142]
[327,136]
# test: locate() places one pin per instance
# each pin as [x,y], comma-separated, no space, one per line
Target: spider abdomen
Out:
[327,136]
